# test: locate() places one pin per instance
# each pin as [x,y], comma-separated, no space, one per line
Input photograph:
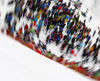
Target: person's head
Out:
[49,51]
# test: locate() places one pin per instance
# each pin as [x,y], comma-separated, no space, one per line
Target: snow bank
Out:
[19,63]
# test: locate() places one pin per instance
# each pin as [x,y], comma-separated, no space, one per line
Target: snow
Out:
[93,6]
[19,63]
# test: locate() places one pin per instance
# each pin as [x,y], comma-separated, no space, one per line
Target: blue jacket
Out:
[61,24]
[57,5]
[66,9]
[90,17]
[89,38]
[43,6]
[38,27]
[36,18]
[61,29]
[70,37]
[9,17]
[53,10]
[69,17]
[58,38]
[48,4]
[68,23]
[66,17]
[94,32]
[69,32]
[39,44]
[45,48]
[70,10]
[40,23]
[79,36]
[17,9]
[12,30]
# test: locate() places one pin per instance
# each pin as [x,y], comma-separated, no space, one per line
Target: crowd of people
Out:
[62,25]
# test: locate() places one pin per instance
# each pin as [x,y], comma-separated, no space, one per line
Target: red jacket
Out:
[67,11]
[26,27]
[59,7]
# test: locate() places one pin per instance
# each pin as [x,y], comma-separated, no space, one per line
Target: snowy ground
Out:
[93,6]
[19,63]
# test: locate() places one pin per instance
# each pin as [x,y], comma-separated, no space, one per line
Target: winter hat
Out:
[73,52]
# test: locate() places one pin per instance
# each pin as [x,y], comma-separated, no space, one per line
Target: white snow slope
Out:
[19,63]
